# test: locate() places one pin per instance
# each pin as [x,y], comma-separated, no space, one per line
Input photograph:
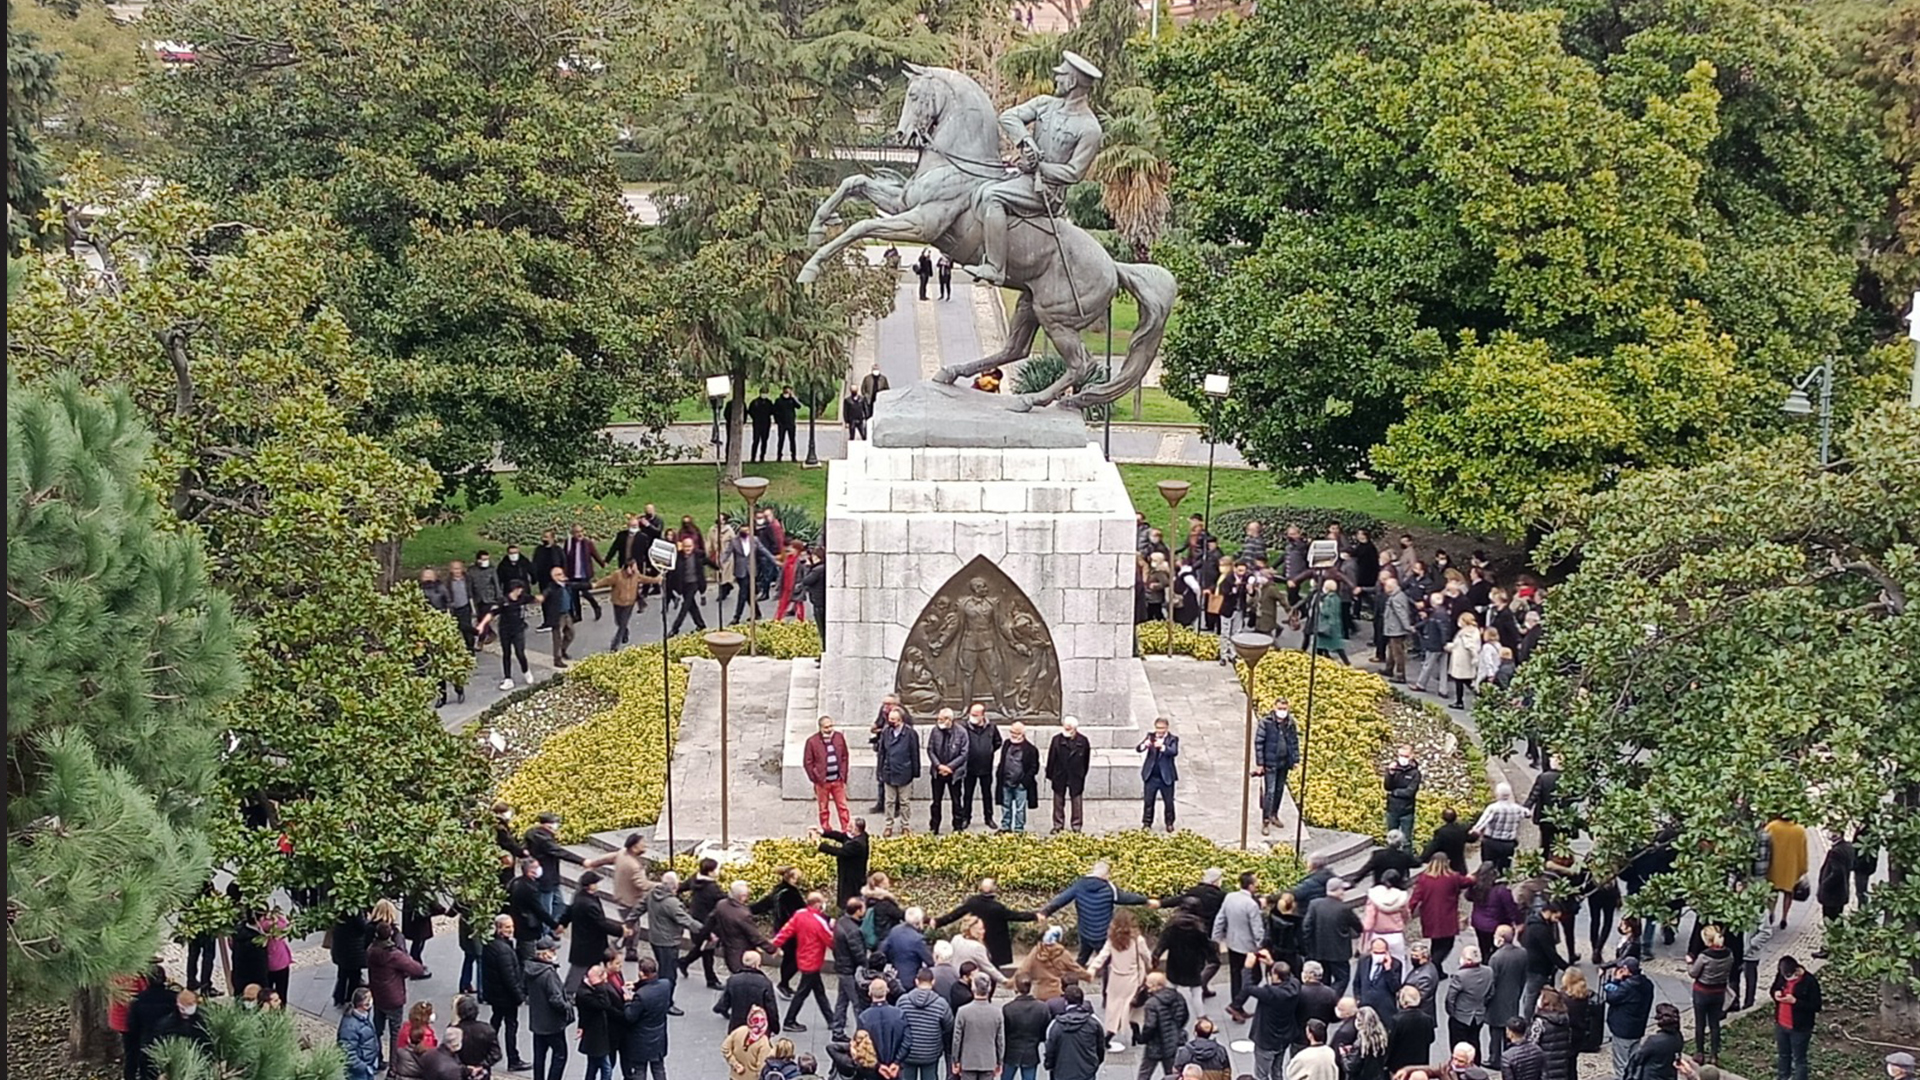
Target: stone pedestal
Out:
[903,520]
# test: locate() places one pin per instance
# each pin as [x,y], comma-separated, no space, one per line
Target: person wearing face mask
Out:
[514,567]
[532,917]
[357,1038]
[1276,750]
[1402,783]
[629,544]
[484,589]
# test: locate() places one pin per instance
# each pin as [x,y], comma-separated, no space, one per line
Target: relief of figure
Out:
[980,639]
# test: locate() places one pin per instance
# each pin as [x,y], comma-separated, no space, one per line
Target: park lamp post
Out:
[724,645]
[751,488]
[1797,403]
[814,393]
[718,387]
[1215,387]
[663,555]
[1321,557]
[1251,648]
[1172,491]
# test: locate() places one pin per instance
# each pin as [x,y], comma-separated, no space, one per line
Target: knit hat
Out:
[1632,964]
[1052,936]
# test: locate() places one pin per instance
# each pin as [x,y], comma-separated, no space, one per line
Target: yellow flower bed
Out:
[1357,719]
[609,772]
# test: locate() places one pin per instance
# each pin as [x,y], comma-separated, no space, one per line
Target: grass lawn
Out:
[688,489]
[1849,1005]
[1156,407]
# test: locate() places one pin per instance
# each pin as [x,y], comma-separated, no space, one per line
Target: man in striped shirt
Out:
[1498,829]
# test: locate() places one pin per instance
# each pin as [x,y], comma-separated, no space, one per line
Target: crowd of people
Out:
[780,576]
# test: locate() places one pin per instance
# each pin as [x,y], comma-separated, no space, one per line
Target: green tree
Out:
[119,659]
[1739,640]
[482,254]
[769,89]
[30,90]
[259,1044]
[1133,171]
[100,63]
[220,333]
[1890,71]
[1377,190]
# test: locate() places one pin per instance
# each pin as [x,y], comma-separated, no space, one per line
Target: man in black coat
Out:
[760,415]
[947,769]
[813,582]
[983,745]
[1402,782]
[1277,1023]
[1016,781]
[1276,750]
[1327,933]
[1540,801]
[733,930]
[587,944]
[1026,1019]
[849,851]
[527,904]
[1450,839]
[786,415]
[985,905]
[648,1005]
[746,987]
[503,980]
[1207,896]
[543,845]
[1068,758]
[559,609]
[849,958]
[703,895]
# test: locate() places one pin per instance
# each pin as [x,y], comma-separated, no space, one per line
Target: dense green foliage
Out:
[250,378]
[119,658]
[1740,641]
[30,90]
[1501,256]
[457,158]
[259,1044]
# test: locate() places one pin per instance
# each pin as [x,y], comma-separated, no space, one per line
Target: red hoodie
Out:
[815,935]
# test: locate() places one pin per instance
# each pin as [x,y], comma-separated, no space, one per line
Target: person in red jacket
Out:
[810,928]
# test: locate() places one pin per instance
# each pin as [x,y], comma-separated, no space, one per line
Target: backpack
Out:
[866,931]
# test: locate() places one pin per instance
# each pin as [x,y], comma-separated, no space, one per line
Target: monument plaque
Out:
[980,639]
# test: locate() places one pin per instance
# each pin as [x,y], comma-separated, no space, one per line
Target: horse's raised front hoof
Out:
[1077,401]
[808,273]
[1022,403]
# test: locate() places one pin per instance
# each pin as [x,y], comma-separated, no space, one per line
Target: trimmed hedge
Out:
[609,770]
[1231,525]
[524,525]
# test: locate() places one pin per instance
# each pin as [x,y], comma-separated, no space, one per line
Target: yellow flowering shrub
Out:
[1152,637]
[609,771]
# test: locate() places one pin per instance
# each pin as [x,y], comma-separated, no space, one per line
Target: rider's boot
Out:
[993,231]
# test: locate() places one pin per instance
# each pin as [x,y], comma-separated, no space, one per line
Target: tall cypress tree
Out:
[118,657]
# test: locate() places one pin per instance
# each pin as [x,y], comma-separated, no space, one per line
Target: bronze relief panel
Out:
[980,639]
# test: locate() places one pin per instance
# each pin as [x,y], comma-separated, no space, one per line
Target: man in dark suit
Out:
[985,905]
[786,414]
[1159,771]
[745,988]
[760,414]
[849,850]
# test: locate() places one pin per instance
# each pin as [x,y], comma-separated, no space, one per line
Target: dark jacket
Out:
[530,914]
[849,946]
[591,928]
[1027,1019]
[1076,1044]
[703,895]
[521,570]
[438,1064]
[544,848]
[1403,784]
[1541,939]
[995,916]
[1020,766]
[1163,1025]
[1276,1018]
[1450,840]
[929,1025]
[357,1040]
[906,949]
[502,975]
[1554,1032]
[983,745]
[350,937]
[1206,1053]
[1588,1016]
[646,1017]
[1276,745]
[1409,1039]
[888,1027]
[1657,1057]
[813,582]
[948,746]
[1629,1001]
[741,992]
[1836,875]
[548,1010]
[1329,929]
[1067,762]
[1093,900]
[850,861]
[1186,948]
[898,755]
[1378,985]
[556,599]
[479,1045]
[1388,858]
[781,905]
[1522,1061]
[1160,764]
[601,1017]
[1806,1001]
[1509,967]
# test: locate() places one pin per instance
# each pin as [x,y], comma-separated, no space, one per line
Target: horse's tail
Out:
[1153,289]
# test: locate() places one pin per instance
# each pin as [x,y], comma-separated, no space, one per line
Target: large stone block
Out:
[1003,498]
[1026,464]
[978,464]
[936,463]
[1082,606]
[1074,467]
[1030,535]
[869,496]
[884,534]
[985,536]
[1099,572]
[929,534]
[1116,607]
[1098,500]
[1117,535]
[958,497]
[1049,499]
[915,497]
[1077,535]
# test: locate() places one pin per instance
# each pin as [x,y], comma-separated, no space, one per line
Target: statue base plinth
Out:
[903,521]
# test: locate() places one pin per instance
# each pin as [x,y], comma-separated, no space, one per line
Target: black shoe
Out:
[715,984]
[877,808]
[519,1066]
[785,991]
[675,1010]
[794,1025]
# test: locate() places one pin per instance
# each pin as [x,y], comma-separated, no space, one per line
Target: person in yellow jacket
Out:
[1788,840]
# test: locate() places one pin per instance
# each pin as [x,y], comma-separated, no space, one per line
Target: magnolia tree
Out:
[1740,641]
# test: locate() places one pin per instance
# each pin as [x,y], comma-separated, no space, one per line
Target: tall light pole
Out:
[1215,387]
[1321,556]
[813,410]
[724,645]
[718,387]
[1798,405]
[1172,491]
[1251,648]
[663,555]
[750,489]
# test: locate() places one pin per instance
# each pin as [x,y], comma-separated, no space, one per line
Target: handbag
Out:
[1802,890]
[1214,603]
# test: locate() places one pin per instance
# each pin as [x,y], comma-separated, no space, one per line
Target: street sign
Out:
[662,554]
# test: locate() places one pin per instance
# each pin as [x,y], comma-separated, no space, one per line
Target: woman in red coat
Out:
[789,569]
[1436,900]
[810,928]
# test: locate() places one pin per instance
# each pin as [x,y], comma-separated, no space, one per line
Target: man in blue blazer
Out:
[1159,770]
